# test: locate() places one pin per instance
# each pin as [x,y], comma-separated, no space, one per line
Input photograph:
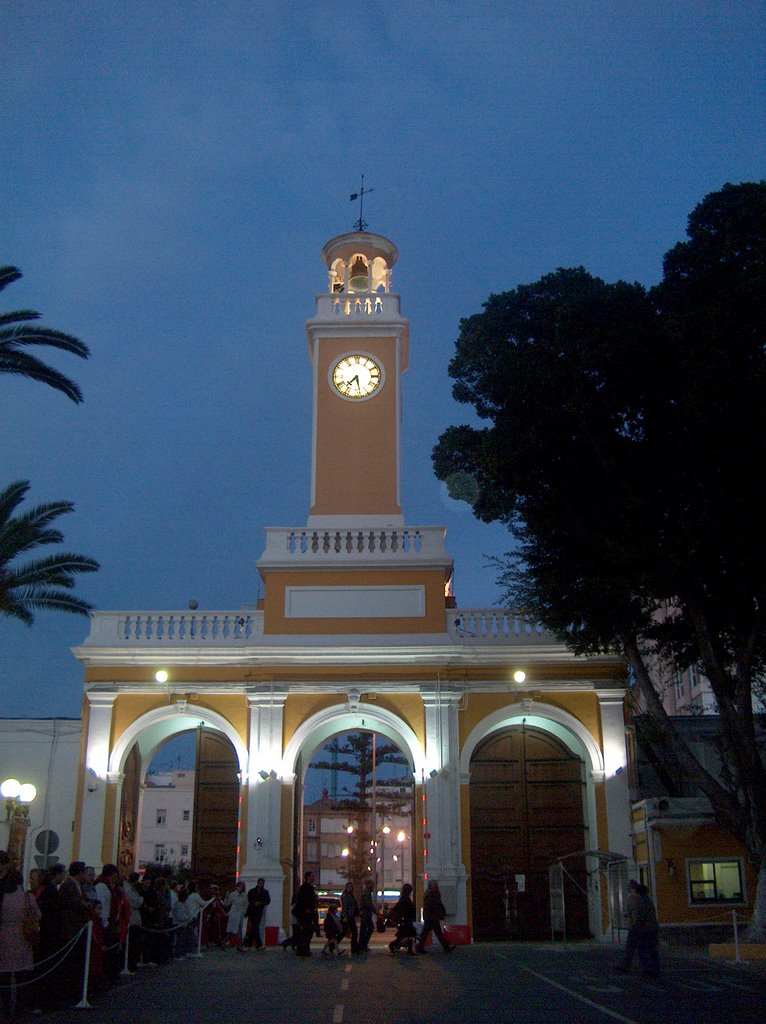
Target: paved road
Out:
[492,983]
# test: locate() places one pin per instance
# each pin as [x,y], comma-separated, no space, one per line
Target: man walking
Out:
[307,914]
[257,901]
[367,912]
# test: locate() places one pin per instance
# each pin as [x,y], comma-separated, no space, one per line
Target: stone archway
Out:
[220,763]
[338,719]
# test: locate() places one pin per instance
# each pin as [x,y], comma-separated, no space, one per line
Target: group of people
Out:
[141,921]
[341,920]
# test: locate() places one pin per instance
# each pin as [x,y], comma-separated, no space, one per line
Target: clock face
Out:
[356,376]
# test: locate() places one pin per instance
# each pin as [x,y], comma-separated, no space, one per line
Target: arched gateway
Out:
[354,631]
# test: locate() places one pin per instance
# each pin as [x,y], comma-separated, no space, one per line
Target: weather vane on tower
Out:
[360,224]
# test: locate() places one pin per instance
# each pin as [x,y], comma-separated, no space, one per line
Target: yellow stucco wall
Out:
[275,621]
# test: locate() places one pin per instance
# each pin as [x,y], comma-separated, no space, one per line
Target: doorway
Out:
[527,809]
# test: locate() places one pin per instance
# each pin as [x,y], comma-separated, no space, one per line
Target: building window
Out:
[159,852]
[186,815]
[162,816]
[715,881]
[680,686]
[184,851]
[312,826]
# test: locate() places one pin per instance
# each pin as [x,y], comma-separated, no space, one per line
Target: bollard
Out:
[125,969]
[198,954]
[84,1004]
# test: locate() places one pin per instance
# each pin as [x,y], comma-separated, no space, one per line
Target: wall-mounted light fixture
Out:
[519,676]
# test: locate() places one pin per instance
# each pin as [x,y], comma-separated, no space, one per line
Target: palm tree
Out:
[41,582]
[16,331]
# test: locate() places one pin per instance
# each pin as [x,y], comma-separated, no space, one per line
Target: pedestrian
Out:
[403,916]
[643,931]
[292,940]
[433,915]
[349,911]
[135,932]
[236,904]
[16,949]
[333,931]
[307,914]
[257,900]
[367,913]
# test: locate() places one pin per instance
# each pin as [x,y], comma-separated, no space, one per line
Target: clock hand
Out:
[354,378]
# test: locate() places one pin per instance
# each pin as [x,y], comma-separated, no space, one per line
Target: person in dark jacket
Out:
[257,900]
[349,911]
[433,915]
[367,911]
[306,914]
[403,915]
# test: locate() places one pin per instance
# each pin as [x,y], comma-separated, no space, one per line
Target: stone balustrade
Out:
[335,305]
[187,629]
[495,625]
[415,544]
[175,628]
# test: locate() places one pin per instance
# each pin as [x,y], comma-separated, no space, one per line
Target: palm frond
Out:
[22,364]
[8,275]
[18,316]
[13,337]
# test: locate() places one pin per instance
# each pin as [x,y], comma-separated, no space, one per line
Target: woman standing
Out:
[16,951]
[236,904]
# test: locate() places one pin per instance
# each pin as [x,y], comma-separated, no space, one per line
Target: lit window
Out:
[186,815]
[162,816]
[715,881]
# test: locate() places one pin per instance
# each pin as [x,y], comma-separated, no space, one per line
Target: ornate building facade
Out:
[516,746]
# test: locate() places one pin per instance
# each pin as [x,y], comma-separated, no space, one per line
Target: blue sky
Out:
[170,173]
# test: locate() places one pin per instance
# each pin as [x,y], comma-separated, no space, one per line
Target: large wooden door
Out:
[526,796]
[216,809]
[131,788]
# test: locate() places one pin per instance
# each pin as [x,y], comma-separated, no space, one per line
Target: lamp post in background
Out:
[400,838]
[18,796]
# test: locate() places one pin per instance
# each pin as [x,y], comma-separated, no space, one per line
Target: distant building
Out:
[166,815]
[329,848]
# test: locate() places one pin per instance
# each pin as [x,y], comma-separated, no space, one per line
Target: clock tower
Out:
[358,346]
[356,567]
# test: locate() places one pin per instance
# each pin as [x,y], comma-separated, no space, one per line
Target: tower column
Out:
[96,778]
[445,854]
[260,859]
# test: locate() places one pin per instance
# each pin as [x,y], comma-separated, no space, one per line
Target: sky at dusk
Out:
[170,173]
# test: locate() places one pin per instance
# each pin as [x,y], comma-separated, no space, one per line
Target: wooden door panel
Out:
[526,795]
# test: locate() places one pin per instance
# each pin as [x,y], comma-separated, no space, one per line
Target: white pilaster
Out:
[615,770]
[96,776]
[264,797]
[445,854]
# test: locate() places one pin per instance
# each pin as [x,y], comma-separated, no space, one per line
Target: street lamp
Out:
[400,838]
[18,797]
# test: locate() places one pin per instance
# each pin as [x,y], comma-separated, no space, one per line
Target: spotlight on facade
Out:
[519,676]
[161,676]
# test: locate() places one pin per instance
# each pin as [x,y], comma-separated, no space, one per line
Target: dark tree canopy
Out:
[624,448]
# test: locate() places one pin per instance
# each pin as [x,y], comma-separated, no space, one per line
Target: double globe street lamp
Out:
[18,796]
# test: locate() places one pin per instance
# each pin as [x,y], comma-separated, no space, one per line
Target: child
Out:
[332,931]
